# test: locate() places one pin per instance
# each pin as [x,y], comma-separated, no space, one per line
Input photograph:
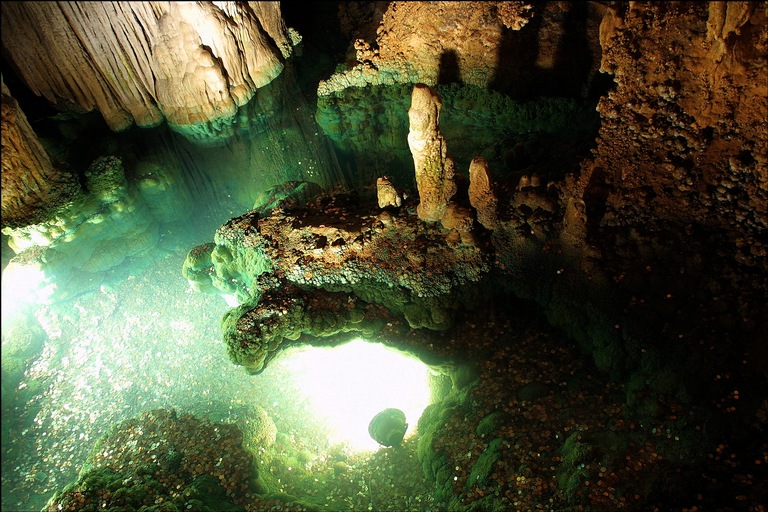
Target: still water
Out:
[144,342]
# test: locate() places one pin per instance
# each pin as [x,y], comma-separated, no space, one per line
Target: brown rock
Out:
[682,137]
[387,193]
[31,186]
[458,221]
[413,41]
[574,232]
[206,74]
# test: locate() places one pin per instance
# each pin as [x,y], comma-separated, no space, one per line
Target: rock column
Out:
[32,186]
[434,169]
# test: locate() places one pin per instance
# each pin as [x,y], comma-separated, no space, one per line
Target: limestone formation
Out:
[417,41]
[574,232]
[387,194]
[191,459]
[434,168]
[458,221]
[205,75]
[287,268]
[673,149]
[106,223]
[32,186]
[481,195]
[190,63]
[162,187]
[258,428]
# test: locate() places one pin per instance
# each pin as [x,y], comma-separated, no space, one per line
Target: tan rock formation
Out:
[387,194]
[481,195]
[434,168]
[143,62]
[458,221]
[32,187]
[208,64]
[414,39]
[574,230]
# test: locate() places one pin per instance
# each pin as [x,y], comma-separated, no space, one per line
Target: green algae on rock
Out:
[388,427]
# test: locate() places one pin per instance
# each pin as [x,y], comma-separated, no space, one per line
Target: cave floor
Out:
[150,342]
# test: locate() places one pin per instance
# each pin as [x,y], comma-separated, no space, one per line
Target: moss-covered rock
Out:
[489,424]
[483,467]
[169,462]
[198,268]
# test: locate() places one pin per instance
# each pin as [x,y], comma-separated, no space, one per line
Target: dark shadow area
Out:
[595,197]
[573,59]
[449,68]
[361,20]
[520,74]
[599,85]
[34,107]
[322,46]
[516,60]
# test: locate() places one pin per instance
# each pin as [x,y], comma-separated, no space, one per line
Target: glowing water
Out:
[348,385]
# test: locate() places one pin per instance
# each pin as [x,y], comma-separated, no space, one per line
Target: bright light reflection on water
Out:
[146,343]
[349,384]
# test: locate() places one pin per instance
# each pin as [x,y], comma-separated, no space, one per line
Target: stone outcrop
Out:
[327,271]
[520,48]
[191,459]
[434,168]
[386,193]
[190,63]
[683,142]
[458,221]
[104,225]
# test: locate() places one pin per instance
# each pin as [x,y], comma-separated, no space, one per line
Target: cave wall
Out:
[676,183]
[32,186]
[522,49]
[199,104]
[515,80]
[683,138]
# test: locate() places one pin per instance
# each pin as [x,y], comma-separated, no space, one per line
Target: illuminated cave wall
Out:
[180,65]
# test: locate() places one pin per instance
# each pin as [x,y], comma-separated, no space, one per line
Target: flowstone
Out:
[332,270]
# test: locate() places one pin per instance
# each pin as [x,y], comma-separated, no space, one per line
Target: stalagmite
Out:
[387,194]
[481,196]
[434,169]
